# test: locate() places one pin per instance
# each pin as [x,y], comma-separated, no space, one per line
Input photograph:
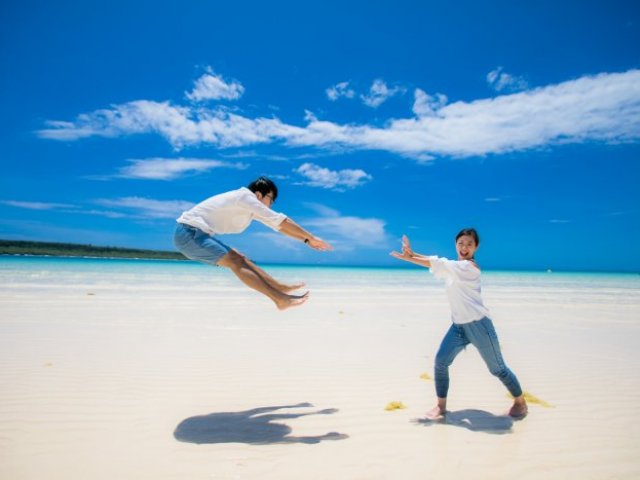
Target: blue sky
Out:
[375,119]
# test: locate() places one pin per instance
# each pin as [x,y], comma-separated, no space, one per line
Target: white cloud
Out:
[379,93]
[105,213]
[140,116]
[344,233]
[604,107]
[213,87]
[350,232]
[54,232]
[63,207]
[337,179]
[36,205]
[181,126]
[340,90]
[499,80]
[427,106]
[134,207]
[280,241]
[171,168]
[322,210]
[148,208]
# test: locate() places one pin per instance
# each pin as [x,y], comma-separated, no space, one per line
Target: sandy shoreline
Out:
[152,382]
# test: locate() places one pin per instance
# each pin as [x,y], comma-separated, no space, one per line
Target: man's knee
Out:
[233,259]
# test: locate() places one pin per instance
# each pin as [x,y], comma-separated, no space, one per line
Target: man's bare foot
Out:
[436,413]
[292,301]
[291,288]
[518,410]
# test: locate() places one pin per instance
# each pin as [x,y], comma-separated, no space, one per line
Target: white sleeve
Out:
[440,267]
[261,212]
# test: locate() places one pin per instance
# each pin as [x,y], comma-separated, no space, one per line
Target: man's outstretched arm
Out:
[291,229]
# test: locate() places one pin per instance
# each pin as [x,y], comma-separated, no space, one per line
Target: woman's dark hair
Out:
[264,186]
[471,232]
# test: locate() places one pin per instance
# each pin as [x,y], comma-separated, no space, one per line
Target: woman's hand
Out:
[407,253]
[406,246]
[400,256]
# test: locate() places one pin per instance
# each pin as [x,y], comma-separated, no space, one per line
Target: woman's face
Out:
[466,247]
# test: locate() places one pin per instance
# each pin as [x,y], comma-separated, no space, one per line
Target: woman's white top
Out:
[231,212]
[462,280]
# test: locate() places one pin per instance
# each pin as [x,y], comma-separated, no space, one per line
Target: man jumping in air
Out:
[196,236]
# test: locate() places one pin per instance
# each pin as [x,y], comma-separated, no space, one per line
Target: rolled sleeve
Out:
[260,212]
[273,221]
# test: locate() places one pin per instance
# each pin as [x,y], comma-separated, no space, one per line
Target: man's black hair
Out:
[265,186]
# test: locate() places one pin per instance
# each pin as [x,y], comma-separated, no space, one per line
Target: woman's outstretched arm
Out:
[409,255]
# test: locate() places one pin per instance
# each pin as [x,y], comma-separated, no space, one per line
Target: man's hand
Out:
[319,244]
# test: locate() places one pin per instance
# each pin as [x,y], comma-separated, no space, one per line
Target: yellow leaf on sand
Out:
[532,399]
[425,376]
[395,406]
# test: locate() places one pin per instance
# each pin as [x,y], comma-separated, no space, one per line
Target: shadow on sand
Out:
[474,420]
[257,426]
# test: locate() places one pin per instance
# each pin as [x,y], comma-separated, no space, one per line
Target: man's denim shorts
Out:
[197,245]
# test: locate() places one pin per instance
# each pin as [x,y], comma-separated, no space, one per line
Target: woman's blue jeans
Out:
[483,336]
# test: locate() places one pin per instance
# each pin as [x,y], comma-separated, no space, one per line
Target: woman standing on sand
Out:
[471,322]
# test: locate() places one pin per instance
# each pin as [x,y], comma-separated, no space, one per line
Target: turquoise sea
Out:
[60,271]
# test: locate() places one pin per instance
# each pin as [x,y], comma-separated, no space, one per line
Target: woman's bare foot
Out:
[289,301]
[436,413]
[519,408]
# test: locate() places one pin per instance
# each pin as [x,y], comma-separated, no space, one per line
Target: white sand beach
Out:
[189,375]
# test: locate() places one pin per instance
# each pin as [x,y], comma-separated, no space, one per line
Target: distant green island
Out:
[19,247]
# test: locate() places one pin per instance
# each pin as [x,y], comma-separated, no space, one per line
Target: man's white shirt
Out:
[231,212]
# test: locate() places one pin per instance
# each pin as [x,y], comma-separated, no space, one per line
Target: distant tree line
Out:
[19,247]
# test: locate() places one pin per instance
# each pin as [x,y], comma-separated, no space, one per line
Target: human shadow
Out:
[474,420]
[256,427]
